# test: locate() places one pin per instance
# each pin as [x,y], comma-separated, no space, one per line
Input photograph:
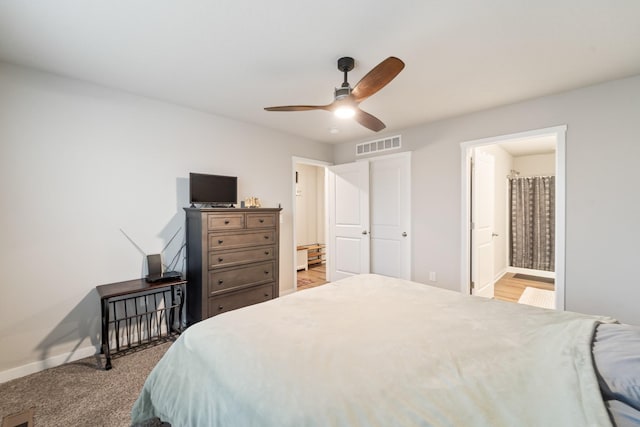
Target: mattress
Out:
[375,351]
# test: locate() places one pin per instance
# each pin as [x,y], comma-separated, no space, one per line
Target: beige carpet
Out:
[538,297]
[81,393]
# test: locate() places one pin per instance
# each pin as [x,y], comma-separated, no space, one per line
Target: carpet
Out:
[534,278]
[538,298]
[82,393]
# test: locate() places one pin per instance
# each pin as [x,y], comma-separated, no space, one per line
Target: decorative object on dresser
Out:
[232,259]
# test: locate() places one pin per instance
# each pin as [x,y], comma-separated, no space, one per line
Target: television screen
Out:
[213,189]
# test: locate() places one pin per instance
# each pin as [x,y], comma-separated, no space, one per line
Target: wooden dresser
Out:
[232,259]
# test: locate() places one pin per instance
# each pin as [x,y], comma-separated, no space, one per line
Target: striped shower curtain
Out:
[533,222]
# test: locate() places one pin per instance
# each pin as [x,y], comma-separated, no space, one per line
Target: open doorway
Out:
[309,223]
[493,256]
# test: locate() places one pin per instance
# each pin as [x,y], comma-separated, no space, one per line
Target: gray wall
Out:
[80,166]
[602,154]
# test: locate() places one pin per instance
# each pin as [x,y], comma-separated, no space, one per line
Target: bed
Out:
[375,351]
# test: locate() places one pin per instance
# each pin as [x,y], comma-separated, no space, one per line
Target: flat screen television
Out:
[215,190]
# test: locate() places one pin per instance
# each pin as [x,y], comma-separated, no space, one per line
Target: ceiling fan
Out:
[346,99]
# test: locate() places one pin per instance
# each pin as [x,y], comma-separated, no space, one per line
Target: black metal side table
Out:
[136,313]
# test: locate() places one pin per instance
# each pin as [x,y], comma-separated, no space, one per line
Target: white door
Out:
[482,207]
[348,207]
[390,191]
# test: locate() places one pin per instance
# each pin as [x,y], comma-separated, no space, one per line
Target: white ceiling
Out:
[530,146]
[234,57]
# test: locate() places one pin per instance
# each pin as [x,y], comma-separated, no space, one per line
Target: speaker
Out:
[154,264]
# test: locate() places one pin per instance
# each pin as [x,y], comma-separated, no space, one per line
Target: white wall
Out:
[80,164]
[308,211]
[602,152]
[535,165]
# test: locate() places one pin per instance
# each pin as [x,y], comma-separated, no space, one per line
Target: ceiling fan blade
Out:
[377,78]
[368,121]
[298,108]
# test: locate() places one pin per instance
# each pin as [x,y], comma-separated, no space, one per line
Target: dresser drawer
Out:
[238,240]
[231,221]
[240,299]
[231,258]
[260,220]
[222,280]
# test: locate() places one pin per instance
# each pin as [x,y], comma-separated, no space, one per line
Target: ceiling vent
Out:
[379,145]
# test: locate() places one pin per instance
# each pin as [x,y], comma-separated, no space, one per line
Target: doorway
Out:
[309,223]
[487,237]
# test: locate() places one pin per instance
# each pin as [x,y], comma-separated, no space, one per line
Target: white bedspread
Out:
[375,351]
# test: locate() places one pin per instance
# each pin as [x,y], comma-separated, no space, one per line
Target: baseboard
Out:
[287,292]
[51,362]
[499,275]
[486,292]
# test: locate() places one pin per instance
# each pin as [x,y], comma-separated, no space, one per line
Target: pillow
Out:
[616,353]
[623,415]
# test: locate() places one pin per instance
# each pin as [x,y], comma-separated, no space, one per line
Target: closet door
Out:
[348,207]
[390,193]
[369,207]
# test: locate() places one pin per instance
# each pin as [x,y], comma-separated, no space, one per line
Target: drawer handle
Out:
[220,307]
[266,272]
[266,294]
[266,237]
[261,220]
[220,259]
[226,221]
[266,252]
[220,242]
[220,282]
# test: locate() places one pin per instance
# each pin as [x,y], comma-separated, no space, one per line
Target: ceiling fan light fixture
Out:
[346,100]
[345,112]
[341,93]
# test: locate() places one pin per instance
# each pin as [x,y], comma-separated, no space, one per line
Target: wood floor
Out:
[313,277]
[510,288]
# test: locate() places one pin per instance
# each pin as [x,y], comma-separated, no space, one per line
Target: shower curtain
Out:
[533,222]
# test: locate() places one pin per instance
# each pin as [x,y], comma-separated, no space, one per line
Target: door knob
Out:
[494,234]
[404,234]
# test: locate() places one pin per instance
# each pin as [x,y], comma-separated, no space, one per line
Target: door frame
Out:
[560,211]
[312,162]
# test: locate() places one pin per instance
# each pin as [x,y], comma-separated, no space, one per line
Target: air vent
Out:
[379,145]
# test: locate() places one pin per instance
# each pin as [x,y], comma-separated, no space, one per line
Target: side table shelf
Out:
[137,313]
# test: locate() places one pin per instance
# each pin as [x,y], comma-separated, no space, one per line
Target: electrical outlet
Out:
[432,276]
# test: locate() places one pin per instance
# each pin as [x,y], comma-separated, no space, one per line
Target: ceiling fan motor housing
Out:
[345,64]
[342,92]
